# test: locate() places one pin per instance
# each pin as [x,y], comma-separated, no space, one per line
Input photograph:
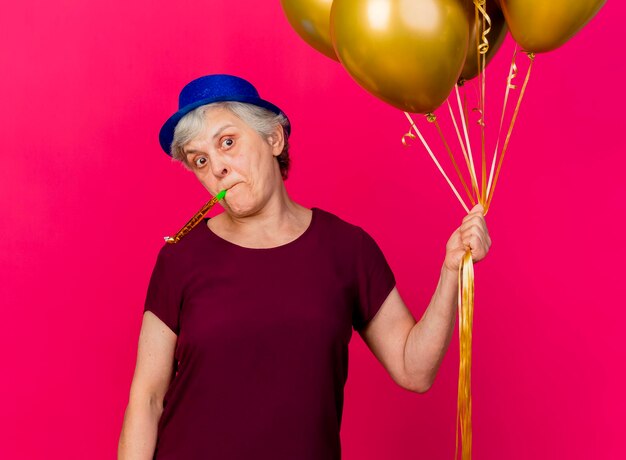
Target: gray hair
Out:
[262,120]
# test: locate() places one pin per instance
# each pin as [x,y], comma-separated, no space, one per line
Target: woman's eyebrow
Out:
[222,129]
[188,152]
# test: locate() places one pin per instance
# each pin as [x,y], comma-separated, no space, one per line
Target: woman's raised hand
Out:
[472,234]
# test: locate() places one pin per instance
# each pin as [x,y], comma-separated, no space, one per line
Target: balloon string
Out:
[482,48]
[456,167]
[467,142]
[478,109]
[509,87]
[463,149]
[483,76]
[465,105]
[466,119]
[466,320]
[531,56]
[411,135]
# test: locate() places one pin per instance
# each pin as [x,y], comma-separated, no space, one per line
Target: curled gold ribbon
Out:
[479,110]
[480,121]
[408,135]
[480,5]
[483,47]
[466,320]
[512,74]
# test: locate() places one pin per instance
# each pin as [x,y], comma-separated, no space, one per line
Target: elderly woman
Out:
[243,349]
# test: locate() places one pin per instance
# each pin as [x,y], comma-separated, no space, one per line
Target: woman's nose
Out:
[219,167]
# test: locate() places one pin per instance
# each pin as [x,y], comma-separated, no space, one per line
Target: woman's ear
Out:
[277,140]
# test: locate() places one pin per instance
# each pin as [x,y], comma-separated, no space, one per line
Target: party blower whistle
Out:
[195,219]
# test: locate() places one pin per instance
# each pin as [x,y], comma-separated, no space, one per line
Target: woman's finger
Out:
[475,221]
[476,242]
[481,225]
[478,208]
[475,227]
[472,215]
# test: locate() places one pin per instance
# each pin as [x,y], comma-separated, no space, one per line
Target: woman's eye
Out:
[228,142]
[200,161]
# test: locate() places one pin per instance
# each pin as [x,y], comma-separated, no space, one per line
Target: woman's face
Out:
[232,155]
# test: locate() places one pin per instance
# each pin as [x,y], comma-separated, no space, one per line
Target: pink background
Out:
[87,195]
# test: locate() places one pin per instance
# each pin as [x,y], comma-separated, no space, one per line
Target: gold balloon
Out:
[495,37]
[409,53]
[311,20]
[544,25]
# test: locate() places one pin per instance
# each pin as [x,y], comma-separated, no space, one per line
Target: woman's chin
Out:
[238,206]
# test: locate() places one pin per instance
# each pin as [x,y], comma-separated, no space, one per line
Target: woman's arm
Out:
[412,351]
[153,372]
[139,430]
[429,339]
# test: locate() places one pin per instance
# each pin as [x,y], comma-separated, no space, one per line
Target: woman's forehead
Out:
[217,120]
[218,117]
[215,115]
[214,118]
[210,133]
